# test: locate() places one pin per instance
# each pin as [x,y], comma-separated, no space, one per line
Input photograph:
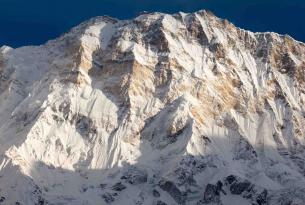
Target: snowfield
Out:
[158,110]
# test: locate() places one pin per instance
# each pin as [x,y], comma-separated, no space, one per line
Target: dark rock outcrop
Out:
[135,176]
[118,187]
[173,191]
[239,187]
[109,197]
[160,203]
[211,195]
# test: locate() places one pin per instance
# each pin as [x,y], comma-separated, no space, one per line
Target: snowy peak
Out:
[160,109]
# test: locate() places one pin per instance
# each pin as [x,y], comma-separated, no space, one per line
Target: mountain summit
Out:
[158,110]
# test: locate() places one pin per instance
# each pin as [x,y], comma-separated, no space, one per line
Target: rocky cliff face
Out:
[161,109]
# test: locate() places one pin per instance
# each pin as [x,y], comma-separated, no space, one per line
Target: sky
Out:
[33,22]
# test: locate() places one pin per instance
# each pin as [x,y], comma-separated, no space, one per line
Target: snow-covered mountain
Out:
[161,109]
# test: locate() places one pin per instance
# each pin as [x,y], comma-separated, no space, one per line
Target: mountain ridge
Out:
[160,109]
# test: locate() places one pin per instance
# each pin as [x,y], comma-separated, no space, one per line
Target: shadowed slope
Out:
[154,110]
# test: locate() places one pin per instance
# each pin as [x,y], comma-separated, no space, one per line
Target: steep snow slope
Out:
[161,109]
